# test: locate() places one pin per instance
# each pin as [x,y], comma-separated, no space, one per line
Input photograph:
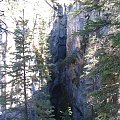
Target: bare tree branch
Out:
[53,7]
[5,30]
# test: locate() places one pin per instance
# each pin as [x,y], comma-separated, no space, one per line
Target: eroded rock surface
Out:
[71,54]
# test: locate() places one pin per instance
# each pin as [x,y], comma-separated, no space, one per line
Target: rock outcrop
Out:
[71,54]
[58,38]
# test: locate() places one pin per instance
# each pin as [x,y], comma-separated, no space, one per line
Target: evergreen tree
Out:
[26,73]
[41,98]
[106,99]
[3,51]
[21,69]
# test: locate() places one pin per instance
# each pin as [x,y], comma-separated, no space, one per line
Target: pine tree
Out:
[24,75]
[44,110]
[20,69]
[106,99]
[3,51]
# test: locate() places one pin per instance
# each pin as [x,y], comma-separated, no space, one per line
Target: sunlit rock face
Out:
[77,43]
[80,83]
[72,52]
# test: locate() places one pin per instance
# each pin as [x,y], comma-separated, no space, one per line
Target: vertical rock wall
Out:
[58,35]
[72,53]
[83,50]
[58,50]
[77,44]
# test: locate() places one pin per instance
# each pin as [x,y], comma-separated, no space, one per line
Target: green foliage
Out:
[105,100]
[20,68]
[92,26]
[93,4]
[67,114]
[30,67]
[43,108]
[115,39]
[75,12]
[2,100]
[101,117]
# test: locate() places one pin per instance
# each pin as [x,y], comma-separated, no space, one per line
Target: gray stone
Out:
[62,52]
[65,44]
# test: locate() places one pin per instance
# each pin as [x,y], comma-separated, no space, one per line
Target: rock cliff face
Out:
[58,38]
[78,44]
[71,54]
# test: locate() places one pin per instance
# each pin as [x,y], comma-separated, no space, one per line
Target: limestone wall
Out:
[73,56]
[81,83]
